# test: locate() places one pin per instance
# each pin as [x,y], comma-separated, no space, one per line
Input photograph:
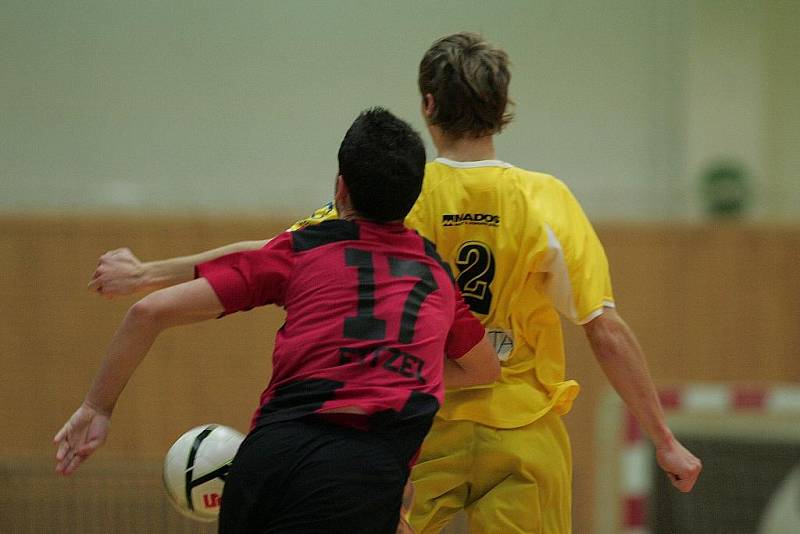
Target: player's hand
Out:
[119,272]
[682,467]
[83,434]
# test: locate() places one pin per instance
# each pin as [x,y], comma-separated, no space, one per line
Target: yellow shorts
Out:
[516,480]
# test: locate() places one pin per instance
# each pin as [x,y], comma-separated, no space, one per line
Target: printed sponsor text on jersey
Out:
[457,219]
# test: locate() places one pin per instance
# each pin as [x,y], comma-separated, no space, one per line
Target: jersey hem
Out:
[561,404]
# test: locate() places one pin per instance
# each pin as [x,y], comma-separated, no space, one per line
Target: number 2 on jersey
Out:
[475,263]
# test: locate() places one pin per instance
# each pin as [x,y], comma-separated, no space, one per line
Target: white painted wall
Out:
[782,129]
[726,92]
[207,106]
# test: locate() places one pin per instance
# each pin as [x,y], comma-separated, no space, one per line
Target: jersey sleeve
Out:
[245,280]
[465,332]
[325,213]
[577,277]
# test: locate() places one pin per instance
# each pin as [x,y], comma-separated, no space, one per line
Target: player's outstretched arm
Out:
[87,429]
[478,366]
[622,360]
[119,272]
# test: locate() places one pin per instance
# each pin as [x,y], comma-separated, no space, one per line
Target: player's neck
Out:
[464,148]
[345,211]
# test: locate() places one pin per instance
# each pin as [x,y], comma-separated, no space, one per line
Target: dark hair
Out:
[468,79]
[382,161]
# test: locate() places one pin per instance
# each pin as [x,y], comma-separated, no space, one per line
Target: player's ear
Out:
[341,194]
[428,105]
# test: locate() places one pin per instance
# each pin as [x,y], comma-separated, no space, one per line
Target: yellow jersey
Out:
[522,250]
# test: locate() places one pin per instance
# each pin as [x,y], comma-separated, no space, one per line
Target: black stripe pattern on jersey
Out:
[298,399]
[431,252]
[324,233]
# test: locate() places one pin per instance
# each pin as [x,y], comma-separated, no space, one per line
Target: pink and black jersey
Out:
[371,312]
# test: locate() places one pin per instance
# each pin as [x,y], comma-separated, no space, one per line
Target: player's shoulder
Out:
[549,193]
[323,233]
[538,180]
[431,252]
[325,213]
[435,174]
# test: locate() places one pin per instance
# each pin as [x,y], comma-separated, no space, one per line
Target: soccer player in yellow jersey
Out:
[499,452]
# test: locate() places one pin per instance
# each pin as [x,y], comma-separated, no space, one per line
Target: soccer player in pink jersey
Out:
[374,324]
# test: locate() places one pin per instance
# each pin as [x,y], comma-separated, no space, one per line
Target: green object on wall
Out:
[725,190]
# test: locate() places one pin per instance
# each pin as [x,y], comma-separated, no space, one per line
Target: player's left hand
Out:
[119,272]
[681,466]
[83,434]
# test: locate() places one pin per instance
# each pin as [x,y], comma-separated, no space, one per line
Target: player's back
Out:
[483,217]
[360,287]
[516,240]
[371,311]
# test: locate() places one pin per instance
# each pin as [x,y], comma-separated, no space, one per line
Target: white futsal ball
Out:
[196,467]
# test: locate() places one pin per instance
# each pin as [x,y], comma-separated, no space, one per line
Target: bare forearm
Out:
[119,272]
[182,304]
[455,376]
[622,360]
[87,428]
[620,356]
[169,272]
[128,348]
[478,366]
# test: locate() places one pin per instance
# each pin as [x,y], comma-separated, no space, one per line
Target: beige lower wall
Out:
[708,304]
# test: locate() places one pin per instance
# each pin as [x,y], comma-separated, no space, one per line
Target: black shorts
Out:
[312,476]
